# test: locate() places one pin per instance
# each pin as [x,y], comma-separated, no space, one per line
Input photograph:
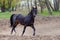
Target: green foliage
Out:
[13,3]
[6,3]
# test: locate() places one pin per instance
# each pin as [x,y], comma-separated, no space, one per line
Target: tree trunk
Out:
[51,6]
[31,3]
[47,4]
[28,5]
[9,3]
[35,3]
[56,5]
[3,7]
[41,5]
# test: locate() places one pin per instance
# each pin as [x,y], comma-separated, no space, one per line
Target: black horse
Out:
[28,20]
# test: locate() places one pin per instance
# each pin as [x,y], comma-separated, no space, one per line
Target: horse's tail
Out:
[11,20]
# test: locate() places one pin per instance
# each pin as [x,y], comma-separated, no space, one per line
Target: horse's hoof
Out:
[33,34]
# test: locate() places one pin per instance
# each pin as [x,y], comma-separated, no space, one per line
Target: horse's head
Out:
[34,11]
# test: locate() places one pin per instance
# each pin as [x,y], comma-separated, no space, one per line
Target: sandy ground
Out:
[47,28]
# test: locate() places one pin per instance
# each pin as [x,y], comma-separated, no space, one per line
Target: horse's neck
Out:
[31,15]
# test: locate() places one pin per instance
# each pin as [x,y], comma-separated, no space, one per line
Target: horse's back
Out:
[20,18]
[16,16]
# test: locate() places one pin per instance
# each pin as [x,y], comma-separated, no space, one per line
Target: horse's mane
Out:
[30,12]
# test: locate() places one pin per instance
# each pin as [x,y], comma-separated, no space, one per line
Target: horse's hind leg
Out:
[13,29]
[24,30]
[14,26]
[33,29]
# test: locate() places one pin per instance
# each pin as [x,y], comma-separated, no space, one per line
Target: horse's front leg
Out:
[24,30]
[33,29]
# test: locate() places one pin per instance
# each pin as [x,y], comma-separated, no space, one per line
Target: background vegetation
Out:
[45,7]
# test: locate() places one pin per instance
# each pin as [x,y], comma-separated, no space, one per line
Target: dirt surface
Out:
[47,28]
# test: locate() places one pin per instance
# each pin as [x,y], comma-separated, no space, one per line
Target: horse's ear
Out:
[34,7]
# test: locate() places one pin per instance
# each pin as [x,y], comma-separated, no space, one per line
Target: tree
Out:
[51,6]
[3,5]
[28,5]
[35,3]
[56,5]
[31,3]
[7,4]
[40,2]
[48,6]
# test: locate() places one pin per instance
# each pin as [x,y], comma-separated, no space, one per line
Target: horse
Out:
[27,20]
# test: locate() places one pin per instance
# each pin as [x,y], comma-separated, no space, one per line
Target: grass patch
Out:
[5,14]
[46,13]
[56,13]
